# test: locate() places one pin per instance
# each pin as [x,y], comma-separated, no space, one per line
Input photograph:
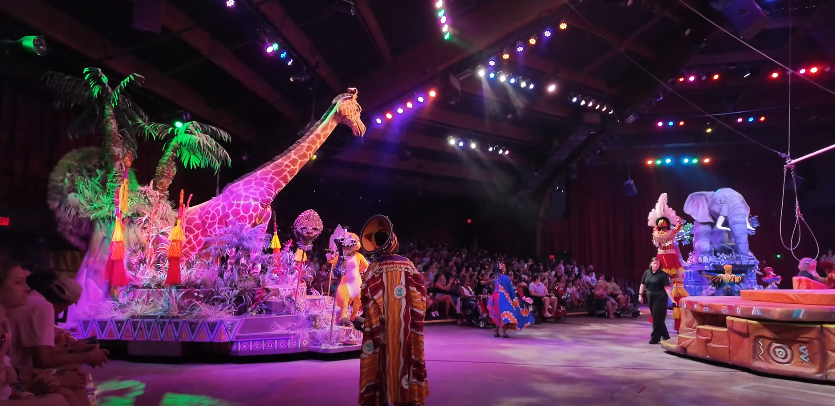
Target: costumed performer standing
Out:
[657,287]
[346,261]
[664,238]
[392,367]
[505,309]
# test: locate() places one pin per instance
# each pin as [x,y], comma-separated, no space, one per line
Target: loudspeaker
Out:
[745,16]
[629,188]
[147,15]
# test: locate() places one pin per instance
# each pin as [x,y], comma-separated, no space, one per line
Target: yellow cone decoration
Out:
[116,264]
[175,248]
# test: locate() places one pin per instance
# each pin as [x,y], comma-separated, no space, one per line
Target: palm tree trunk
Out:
[166,169]
[115,148]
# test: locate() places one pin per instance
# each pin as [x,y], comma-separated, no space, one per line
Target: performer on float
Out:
[771,279]
[664,238]
[506,311]
[307,228]
[727,283]
[347,262]
[392,367]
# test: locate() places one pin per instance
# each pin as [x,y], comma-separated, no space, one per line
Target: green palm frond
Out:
[97,81]
[199,150]
[211,131]
[132,79]
[154,131]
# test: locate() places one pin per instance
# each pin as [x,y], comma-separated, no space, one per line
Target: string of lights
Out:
[443,18]
[473,144]
[681,123]
[691,160]
[403,108]
[718,74]
[591,103]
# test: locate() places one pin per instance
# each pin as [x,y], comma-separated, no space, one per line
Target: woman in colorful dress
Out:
[505,309]
[664,238]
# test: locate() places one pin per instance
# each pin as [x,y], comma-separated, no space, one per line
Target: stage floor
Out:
[585,361]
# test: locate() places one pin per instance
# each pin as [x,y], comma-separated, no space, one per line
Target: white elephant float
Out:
[721,224]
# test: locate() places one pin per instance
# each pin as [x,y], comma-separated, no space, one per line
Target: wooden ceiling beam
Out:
[176,21]
[500,94]
[299,41]
[367,15]
[476,30]
[629,40]
[466,122]
[59,27]
[576,21]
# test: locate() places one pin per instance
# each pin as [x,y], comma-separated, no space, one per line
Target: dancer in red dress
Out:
[664,238]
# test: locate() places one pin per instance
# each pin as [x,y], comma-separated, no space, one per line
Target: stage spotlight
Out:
[33,44]
[507,151]
[501,151]
[660,124]
[532,41]
[378,120]
[706,160]
[611,111]
[439,3]
[400,110]
[750,119]
[492,75]
[491,62]
[691,78]
[658,162]
[178,124]
[694,161]
[481,71]
[813,70]
[519,46]
[512,80]
[451,141]
[670,123]
[552,87]
[739,120]
[230,3]
[681,123]
[409,105]
[270,49]
[460,143]
[420,99]
[432,93]
[290,62]
[582,102]
[709,130]
[747,73]
[502,77]
[523,84]
[446,36]
[530,86]
[716,77]
[505,55]
[574,99]
[762,118]
[668,160]
[802,71]
[604,109]
[473,145]
[686,160]
[283,54]
[389,116]
[563,25]
[547,33]
[649,162]
[681,79]
[490,149]
[775,75]
[313,157]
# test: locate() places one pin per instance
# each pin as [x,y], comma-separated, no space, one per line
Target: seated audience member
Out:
[13,294]
[828,273]
[467,294]
[442,297]
[541,298]
[615,292]
[602,299]
[34,341]
[589,278]
[573,296]
[808,269]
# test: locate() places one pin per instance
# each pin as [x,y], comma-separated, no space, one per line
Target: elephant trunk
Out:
[737,221]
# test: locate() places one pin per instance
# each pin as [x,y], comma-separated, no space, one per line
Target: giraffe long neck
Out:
[274,175]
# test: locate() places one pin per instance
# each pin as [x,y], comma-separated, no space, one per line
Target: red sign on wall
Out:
[4,221]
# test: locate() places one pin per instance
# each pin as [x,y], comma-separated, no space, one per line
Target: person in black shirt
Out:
[656,283]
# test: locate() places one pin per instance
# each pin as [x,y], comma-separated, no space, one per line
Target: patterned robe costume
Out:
[669,257]
[505,309]
[392,367]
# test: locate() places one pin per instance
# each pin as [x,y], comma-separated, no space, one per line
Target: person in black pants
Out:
[656,283]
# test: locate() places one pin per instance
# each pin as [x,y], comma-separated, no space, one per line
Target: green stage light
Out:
[33,44]
[178,124]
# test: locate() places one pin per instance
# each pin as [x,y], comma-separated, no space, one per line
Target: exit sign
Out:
[4,221]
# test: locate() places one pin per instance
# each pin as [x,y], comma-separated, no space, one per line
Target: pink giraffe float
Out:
[248,199]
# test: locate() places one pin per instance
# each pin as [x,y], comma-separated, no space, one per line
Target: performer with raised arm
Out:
[349,265]
[664,238]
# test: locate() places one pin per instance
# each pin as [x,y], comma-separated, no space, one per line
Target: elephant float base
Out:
[788,333]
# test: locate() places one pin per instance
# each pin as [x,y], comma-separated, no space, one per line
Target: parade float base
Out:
[780,332]
[238,336]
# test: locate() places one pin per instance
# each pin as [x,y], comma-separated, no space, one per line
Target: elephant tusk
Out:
[720,222]
[748,224]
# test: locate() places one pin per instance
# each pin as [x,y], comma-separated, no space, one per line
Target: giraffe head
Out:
[348,111]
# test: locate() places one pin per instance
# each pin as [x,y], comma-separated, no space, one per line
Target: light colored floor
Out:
[584,362]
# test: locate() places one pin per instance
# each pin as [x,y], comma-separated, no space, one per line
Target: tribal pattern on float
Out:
[208,272]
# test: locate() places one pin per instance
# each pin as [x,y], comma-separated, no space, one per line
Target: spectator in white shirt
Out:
[541,298]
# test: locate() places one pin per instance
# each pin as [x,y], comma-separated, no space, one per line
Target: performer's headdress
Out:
[341,237]
[378,236]
[661,210]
